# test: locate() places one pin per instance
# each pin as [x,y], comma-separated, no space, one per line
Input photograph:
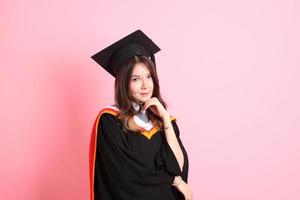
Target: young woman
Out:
[135,150]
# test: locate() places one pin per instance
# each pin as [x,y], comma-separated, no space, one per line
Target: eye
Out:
[149,76]
[135,79]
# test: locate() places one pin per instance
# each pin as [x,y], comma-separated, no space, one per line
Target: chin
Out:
[143,100]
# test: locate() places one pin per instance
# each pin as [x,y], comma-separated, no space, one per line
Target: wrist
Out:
[177,181]
[167,122]
[166,117]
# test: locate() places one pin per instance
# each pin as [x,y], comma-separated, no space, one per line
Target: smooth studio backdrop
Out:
[229,71]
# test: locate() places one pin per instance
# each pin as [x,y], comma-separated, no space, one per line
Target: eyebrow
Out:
[139,75]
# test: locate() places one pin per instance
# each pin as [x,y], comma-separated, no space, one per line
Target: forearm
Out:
[172,140]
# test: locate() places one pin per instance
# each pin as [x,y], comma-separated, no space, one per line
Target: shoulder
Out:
[108,113]
[112,110]
[108,121]
[109,110]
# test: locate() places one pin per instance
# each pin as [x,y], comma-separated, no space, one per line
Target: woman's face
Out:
[141,83]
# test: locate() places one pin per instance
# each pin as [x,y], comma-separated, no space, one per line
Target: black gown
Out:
[132,166]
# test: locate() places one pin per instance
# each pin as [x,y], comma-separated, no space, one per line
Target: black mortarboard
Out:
[136,43]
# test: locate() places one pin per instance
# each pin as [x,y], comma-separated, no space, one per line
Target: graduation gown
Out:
[132,166]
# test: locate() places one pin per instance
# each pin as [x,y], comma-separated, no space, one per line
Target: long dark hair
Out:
[123,98]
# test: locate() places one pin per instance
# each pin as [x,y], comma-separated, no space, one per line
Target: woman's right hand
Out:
[184,188]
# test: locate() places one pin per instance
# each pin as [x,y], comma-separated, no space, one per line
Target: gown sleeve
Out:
[168,159]
[116,172]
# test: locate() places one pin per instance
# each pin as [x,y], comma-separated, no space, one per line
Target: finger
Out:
[148,103]
[145,105]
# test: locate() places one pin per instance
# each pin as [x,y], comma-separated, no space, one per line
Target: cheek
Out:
[133,88]
[151,85]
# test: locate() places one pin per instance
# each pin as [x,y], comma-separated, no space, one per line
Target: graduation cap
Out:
[136,43]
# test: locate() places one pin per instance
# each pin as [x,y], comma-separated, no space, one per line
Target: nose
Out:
[144,83]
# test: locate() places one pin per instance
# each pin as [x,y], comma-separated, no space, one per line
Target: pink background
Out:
[229,71]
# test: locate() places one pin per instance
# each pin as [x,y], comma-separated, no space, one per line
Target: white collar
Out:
[141,118]
[136,106]
[146,125]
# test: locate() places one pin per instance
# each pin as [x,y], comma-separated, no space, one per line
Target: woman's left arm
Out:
[156,107]
[172,140]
